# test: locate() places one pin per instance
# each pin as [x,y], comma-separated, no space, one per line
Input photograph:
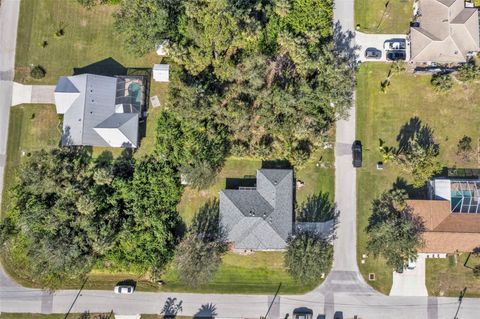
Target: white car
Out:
[124,290]
[394,44]
[411,264]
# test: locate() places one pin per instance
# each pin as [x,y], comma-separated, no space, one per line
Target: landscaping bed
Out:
[381,116]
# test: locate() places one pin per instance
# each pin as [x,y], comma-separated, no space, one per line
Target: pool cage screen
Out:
[465,196]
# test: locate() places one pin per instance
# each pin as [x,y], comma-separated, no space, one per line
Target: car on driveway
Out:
[398,55]
[394,44]
[373,53]
[357,154]
[124,290]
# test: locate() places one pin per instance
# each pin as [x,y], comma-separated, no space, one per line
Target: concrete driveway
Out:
[364,41]
[410,282]
[39,94]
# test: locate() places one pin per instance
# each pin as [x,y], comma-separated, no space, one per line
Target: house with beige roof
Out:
[448,32]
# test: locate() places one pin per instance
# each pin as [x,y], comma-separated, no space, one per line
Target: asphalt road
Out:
[9,10]
[343,292]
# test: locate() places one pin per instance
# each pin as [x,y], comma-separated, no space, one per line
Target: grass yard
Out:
[258,273]
[374,17]
[89,37]
[447,277]
[31,128]
[381,116]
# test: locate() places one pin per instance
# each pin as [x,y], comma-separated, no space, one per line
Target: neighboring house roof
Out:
[446,232]
[259,218]
[447,33]
[92,114]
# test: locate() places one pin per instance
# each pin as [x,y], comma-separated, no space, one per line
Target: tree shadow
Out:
[171,308]
[415,130]
[206,222]
[412,191]
[344,44]
[208,310]
[106,67]
[123,165]
[317,208]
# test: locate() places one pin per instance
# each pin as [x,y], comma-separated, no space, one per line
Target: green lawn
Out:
[380,116]
[258,273]
[447,277]
[89,37]
[374,17]
[31,128]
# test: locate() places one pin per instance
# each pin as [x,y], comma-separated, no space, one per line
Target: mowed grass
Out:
[381,116]
[449,276]
[31,128]
[257,273]
[89,37]
[374,17]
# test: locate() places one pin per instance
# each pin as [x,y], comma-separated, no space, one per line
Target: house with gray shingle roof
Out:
[260,217]
[100,110]
[448,32]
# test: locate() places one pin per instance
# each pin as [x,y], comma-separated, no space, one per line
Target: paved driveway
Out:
[40,94]
[410,282]
[364,41]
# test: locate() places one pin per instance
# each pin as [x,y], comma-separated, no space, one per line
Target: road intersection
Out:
[343,292]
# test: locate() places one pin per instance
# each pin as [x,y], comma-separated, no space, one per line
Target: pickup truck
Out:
[394,44]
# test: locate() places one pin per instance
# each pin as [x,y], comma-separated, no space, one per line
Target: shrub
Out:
[38,72]
[441,82]
[468,72]
[476,270]
[464,147]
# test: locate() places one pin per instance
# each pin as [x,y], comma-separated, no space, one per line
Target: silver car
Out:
[124,290]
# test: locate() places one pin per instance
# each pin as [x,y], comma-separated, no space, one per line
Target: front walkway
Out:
[365,40]
[36,94]
[410,282]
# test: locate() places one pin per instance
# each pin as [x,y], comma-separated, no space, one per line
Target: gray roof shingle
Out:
[262,218]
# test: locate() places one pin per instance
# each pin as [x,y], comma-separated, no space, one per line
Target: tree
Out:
[393,231]
[418,155]
[149,235]
[199,254]
[464,147]
[468,72]
[308,257]
[63,215]
[441,82]
[145,23]
[199,175]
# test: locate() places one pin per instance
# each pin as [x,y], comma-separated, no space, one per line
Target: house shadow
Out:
[276,164]
[107,67]
[236,183]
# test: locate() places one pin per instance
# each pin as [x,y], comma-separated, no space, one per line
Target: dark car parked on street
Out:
[357,154]
[397,55]
[373,53]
